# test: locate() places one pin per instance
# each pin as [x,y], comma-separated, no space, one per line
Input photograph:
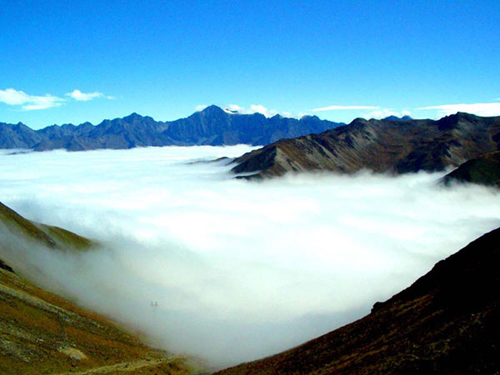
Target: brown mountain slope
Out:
[41,333]
[378,145]
[447,322]
[484,170]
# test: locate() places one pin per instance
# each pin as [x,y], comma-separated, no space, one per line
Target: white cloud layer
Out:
[480,109]
[85,97]
[344,108]
[240,270]
[29,102]
[385,112]
[254,108]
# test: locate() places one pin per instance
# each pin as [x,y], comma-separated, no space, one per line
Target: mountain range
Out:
[211,126]
[386,146]
[447,322]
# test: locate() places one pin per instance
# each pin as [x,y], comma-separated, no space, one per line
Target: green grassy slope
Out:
[50,236]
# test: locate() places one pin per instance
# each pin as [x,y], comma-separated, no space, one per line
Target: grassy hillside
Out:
[50,236]
[42,333]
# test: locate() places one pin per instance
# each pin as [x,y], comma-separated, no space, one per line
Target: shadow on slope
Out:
[447,322]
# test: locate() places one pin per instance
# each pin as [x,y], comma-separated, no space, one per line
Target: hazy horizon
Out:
[240,269]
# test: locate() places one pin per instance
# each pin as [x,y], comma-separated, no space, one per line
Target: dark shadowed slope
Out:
[484,170]
[212,126]
[378,145]
[41,333]
[18,136]
[447,322]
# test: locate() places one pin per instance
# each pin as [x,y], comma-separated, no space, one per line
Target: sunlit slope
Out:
[50,236]
[380,146]
[42,333]
[447,322]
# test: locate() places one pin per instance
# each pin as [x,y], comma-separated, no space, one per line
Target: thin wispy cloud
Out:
[259,108]
[480,109]
[344,108]
[254,108]
[28,102]
[200,107]
[85,97]
[385,112]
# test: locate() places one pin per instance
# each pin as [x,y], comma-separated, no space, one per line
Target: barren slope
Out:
[380,146]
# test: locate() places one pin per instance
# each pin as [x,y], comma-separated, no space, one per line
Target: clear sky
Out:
[76,61]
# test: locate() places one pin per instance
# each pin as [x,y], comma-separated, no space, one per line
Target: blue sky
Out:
[76,61]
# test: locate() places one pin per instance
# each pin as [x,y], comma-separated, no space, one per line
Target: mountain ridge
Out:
[211,126]
[381,146]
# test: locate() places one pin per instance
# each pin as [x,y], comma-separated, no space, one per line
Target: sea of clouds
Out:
[238,269]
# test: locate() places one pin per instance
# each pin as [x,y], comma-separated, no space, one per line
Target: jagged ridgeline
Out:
[378,145]
[212,126]
[42,333]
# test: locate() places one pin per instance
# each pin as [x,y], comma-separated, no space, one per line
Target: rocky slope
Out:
[380,146]
[484,170]
[447,322]
[212,126]
[42,333]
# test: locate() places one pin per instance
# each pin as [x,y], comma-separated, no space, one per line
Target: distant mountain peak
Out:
[132,116]
[309,117]
[466,115]
[211,126]
[396,118]
[212,108]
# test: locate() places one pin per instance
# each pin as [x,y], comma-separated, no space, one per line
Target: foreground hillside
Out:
[42,333]
[447,322]
[380,146]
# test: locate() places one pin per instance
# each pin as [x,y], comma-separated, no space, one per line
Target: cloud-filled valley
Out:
[239,269]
